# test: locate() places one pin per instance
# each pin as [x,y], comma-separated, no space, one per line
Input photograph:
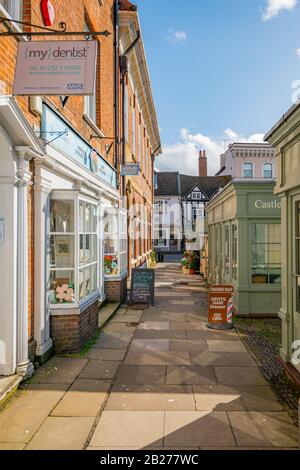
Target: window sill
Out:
[91,123]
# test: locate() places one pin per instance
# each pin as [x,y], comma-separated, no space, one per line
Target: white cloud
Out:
[298,52]
[175,37]
[274,8]
[183,156]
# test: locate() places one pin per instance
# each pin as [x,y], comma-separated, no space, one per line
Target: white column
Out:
[42,190]
[24,366]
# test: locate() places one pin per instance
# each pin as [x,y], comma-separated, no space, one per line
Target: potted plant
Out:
[153,258]
[192,264]
[184,263]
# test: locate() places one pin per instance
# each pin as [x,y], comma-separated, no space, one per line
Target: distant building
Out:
[248,161]
[179,208]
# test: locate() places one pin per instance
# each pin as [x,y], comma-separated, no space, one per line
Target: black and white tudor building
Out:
[179,212]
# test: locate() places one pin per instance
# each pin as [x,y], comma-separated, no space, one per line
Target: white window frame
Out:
[13,8]
[252,167]
[133,130]
[90,103]
[121,248]
[126,114]
[270,165]
[76,198]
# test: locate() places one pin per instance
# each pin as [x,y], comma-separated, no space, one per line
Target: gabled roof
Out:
[208,184]
[174,184]
[197,188]
[167,184]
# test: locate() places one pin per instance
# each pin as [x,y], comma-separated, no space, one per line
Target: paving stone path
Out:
[155,379]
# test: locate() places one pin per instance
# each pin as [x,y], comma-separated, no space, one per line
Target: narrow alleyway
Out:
[156,378]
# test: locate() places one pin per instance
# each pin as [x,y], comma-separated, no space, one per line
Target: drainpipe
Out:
[116,85]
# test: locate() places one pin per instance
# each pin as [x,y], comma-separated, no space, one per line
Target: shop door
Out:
[296,273]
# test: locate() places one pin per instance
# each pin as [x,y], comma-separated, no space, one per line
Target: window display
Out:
[115,242]
[266,253]
[73,276]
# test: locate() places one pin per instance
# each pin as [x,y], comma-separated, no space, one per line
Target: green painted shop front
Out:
[245,245]
[285,138]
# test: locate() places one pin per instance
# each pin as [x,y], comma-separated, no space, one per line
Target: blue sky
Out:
[220,69]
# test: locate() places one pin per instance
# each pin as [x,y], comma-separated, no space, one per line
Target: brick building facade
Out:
[57,214]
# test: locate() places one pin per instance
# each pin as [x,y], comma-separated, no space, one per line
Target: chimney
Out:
[202,163]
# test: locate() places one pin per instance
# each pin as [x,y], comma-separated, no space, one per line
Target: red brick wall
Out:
[70,332]
[116,291]
[99,18]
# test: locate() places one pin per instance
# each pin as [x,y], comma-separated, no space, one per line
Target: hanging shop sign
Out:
[71,144]
[142,286]
[130,169]
[60,68]
[220,307]
[48,12]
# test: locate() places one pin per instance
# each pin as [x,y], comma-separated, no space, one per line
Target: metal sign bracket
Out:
[9,24]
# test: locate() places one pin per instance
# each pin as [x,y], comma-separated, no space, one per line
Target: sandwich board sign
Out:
[52,68]
[142,286]
[220,307]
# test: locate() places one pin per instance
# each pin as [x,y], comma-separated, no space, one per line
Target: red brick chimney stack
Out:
[202,163]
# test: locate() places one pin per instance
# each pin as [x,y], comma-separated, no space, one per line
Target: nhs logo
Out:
[75,86]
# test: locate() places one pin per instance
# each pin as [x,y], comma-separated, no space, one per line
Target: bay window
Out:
[74,248]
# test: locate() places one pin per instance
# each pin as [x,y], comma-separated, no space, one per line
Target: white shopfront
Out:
[73,188]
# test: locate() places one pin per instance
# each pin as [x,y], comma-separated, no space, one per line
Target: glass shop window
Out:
[266,253]
[88,249]
[227,249]
[74,253]
[234,251]
[115,242]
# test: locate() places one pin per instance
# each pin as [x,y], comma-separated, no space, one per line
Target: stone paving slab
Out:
[263,429]
[112,341]
[99,369]
[239,376]
[156,357]
[231,359]
[197,428]
[154,325]
[106,354]
[160,334]
[225,346]
[84,398]
[59,370]
[136,374]
[20,420]
[238,398]
[142,345]
[62,434]
[190,375]
[188,345]
[129,428]
[182,325]
[151,398]
[12,446]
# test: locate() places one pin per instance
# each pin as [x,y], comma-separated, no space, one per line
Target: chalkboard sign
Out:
[142,286]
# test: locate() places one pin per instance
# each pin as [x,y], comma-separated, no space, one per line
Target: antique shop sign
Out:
[142,286]
[71,144]
[55,68]
[130,169]
[220,305]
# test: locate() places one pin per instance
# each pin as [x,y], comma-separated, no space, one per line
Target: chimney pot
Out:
[202,163]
